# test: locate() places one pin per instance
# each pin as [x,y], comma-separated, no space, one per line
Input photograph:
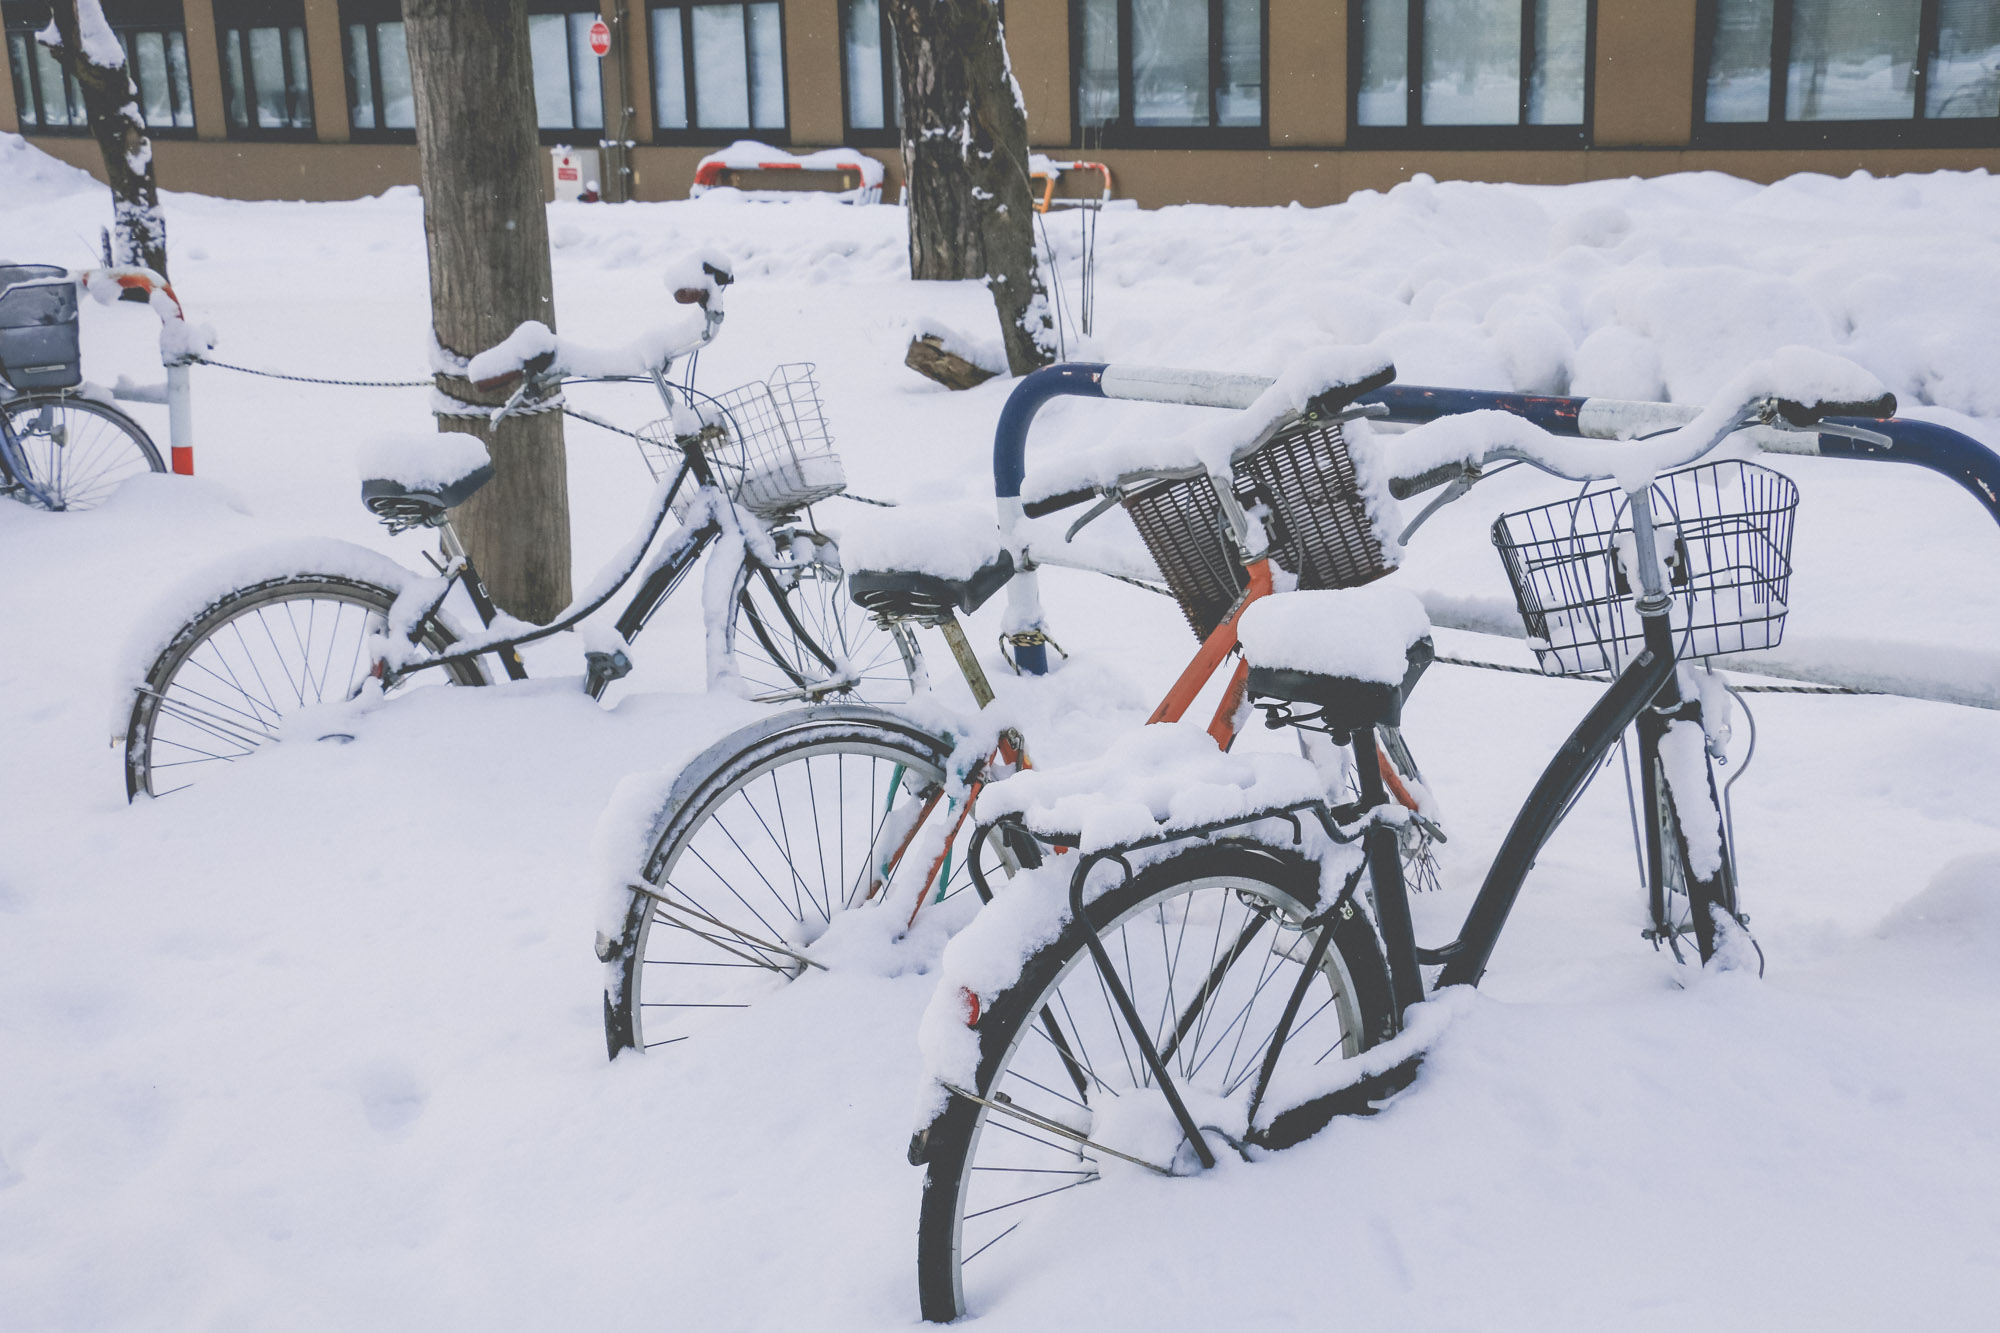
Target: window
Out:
[380,104]
[873,93]
[568,93]
[266,86]
[1851,71]
[718,71]
[1163,71]
[1505,73]
[155,47]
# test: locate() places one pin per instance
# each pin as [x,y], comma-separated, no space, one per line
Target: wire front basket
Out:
[1724,533]
[1321,528]
[774,456]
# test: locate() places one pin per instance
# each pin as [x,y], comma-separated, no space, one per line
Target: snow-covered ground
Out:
[317,1044]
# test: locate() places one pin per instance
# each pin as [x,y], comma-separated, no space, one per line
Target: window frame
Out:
[572,137]
[367,14]
[1917,130]
[1518,137]
[703,136]
[239,17]
[1121,135]
[890,135]
[125,21]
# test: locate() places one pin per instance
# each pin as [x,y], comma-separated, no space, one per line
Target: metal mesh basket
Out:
[38,334]
[1724,532]
[776,457]
[1322,531]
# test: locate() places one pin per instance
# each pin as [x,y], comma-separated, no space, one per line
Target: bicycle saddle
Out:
[413,477]
[1354,653]
[908,594]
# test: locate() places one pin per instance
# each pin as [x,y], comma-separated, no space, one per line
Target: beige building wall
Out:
[1307,60]
[1644,73]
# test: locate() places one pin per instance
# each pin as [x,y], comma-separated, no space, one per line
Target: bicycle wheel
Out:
[795,633]
[1218,947]
[761,841]
[73,450]
[1686,884]
[230,678]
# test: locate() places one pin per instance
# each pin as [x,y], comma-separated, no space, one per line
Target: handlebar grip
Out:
[1405,487]
[1056,503]
[1803,414]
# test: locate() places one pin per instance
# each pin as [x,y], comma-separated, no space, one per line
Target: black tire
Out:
[1683,902]
[75,451]
[795,633]
[762,839]
[1041,1039]
[226,682]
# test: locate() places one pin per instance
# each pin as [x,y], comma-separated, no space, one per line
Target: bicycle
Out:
[1230,983]
[333,622]
[59,450]
[749,852]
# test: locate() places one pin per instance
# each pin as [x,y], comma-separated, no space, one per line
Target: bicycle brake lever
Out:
[1111,498]
[1457,487]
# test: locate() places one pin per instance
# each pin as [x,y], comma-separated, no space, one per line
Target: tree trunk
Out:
[90,54]
[479,157]
[965,162]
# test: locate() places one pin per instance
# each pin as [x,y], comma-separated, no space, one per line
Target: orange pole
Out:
[1216,647]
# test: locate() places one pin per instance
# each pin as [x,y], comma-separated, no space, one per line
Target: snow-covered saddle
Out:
[413,477]
[1354,653]
[923,562]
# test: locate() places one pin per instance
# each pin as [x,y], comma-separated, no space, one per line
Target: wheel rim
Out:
[1210,1019]
[797,627]
[75,452]
[761,870]
[225,689]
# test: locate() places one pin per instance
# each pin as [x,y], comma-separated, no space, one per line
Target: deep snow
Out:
[318,1045]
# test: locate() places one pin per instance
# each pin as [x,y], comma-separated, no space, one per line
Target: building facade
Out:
[1213,101]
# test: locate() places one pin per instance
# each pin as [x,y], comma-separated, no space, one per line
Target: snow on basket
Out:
[859,175]
[774,456]
[1724,533]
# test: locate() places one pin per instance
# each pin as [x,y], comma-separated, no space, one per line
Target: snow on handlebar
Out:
[533,351]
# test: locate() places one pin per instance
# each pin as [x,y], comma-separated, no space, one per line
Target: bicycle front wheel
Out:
[1690,875]
[1239,978]
[72,451]
[795,633]
[225,685]
[762,840]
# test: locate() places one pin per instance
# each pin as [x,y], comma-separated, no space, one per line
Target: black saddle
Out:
[1345,703]
[903,594]
[395,502]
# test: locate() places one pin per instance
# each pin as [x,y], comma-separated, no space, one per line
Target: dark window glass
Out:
[1824,62]
[155,46]
[378,66]
[1477,62]
[1170,64]
[719,67]
[568,91]
[868,65]
[266,85]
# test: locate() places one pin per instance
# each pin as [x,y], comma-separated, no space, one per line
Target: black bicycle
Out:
[333,624]
[1231,985]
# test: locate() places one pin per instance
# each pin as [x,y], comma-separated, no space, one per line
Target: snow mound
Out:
[421,460]
[951,541]
[1360,633]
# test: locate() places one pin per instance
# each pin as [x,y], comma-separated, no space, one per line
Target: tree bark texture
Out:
[111,102]
[965,162]
[478,154]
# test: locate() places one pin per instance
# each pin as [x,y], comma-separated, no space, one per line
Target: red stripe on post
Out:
[183,460]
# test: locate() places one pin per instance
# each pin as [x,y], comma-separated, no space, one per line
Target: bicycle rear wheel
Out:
[795,633]
[762,841]
[75,451]
[1220,948]
[228,681]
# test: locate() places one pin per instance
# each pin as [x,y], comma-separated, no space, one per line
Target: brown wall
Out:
[1642,116]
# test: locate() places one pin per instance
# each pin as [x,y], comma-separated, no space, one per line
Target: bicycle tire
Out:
[1682,902]
[1059,996]
[231,676]
[75,450]
[733,815]
[793,627]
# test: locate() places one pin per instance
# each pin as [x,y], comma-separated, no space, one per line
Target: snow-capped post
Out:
[480,163]
[965,165]
[89,52]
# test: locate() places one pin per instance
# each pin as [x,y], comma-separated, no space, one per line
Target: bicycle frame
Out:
[15,467]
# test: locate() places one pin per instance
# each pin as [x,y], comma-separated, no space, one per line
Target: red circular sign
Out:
[600,37]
